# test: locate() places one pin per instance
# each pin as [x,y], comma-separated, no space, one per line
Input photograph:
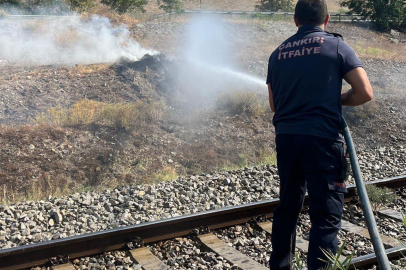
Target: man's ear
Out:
[327,19]
[296,21]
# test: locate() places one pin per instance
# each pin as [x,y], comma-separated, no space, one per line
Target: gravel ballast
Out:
[32,222]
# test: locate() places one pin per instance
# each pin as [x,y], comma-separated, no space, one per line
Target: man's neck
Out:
[321,26]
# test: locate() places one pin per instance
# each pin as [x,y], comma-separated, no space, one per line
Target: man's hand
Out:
[361,91]
[270,97]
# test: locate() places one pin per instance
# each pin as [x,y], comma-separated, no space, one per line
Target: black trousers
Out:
[313,163]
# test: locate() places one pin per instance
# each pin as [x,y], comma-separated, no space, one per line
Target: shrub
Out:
[380,196]
[81,5]
[170,6]
[274,5]
[334,262]
[266,156]
[122,6]
[385,14]
[242,102]
[167,174]
[10,2]
[83,112]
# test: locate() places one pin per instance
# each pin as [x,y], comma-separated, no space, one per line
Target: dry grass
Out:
[46,160]
[114,17]
[206,157]
[166,174]
[379,47]
[128,116]
[20,177]
[83,70]
[239,102]
[371,52]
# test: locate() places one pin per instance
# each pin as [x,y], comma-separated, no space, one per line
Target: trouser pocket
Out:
[337,185]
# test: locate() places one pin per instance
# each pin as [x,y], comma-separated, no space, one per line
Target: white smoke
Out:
[208,66]
[70,40]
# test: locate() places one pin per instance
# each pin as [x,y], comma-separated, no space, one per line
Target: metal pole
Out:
[383,261]
[200,5]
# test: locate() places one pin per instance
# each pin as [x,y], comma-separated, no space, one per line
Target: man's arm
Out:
[361,91]
[270,97]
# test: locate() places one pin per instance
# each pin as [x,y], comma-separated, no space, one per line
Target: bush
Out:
[384,13]
[10,2]
[122,6]
[164,175]
[170,6]
[380,196]
[274,5]
[81,5]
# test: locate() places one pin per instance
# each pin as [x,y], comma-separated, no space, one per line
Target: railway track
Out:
[335,17]
[199,224]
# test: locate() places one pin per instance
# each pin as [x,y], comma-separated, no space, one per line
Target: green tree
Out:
[81,5]
[10,2]
[275,5]
[123,6]
[170,6]
[384,13]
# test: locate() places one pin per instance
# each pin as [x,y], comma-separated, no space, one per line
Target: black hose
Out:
[380,252]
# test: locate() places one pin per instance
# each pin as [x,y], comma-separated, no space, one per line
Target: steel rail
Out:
[333,16]
[371,259]
[150,232]
[39,16]
[354,17]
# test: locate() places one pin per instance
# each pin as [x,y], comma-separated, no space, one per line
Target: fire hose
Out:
[379,249]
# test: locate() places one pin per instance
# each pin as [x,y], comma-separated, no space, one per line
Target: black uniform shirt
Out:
[305,74]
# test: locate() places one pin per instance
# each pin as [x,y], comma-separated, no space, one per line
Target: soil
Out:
[40,160]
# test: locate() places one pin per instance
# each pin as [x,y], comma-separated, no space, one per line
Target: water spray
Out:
[232,74]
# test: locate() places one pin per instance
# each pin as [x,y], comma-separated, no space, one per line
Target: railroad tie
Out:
[349,227]
[229,253]
[301,244]
[390,213]
[147,260]
[66,266]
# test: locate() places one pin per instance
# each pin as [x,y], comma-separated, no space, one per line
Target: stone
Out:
[56,216]
[394,33]
[51,222]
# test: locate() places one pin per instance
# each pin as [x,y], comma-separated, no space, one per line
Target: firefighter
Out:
[304,82]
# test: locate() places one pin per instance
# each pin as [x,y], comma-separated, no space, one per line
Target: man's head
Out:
[311,12]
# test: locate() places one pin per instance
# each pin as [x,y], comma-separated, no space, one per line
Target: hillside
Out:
[59,135]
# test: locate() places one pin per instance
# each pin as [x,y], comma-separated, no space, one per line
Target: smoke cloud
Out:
[207,63]
[71,40]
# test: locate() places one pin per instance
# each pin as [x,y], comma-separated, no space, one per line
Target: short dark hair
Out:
[311,12]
